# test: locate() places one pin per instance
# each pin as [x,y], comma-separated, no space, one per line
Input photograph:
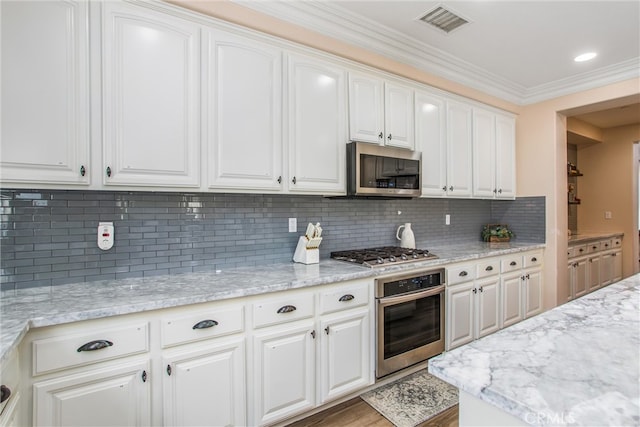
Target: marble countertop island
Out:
[23,309]
[577,364]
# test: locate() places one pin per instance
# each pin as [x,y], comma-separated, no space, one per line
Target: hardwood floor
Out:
[357,413]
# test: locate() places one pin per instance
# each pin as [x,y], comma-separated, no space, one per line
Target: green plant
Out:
[499,231]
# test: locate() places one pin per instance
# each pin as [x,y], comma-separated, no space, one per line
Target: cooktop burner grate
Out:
[374,257]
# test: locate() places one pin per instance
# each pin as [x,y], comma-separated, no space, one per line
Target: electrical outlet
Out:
[607,214]
[447,219]
[293,225]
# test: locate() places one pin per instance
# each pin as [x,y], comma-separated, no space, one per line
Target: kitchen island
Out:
[577,364]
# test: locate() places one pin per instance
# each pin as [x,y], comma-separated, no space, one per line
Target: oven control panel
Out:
[398,286]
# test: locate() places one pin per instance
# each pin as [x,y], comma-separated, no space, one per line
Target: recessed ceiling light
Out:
[585,57]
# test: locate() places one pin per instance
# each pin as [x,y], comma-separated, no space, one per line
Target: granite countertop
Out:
[576,239]
[28,308]
[578,363]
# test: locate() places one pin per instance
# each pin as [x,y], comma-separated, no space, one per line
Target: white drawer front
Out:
[532,259]
[461,274]
[202,324]
[570,252]
[345,297]
[605,245]
[617,242]
[579,250]
[282,309]
[593,247]
[51,354]
[511,263]
[487,268]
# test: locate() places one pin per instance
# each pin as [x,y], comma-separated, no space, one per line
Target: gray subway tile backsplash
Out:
[171,233]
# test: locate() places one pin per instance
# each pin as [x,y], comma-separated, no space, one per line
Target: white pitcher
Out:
[407,240]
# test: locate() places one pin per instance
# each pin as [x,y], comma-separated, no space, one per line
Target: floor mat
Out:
[413,399]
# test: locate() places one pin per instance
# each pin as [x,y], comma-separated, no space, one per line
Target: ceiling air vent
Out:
[443,19]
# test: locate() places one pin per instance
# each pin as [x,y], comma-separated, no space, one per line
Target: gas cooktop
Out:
[378,257]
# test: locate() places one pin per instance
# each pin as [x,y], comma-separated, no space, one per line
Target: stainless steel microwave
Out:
[374,170]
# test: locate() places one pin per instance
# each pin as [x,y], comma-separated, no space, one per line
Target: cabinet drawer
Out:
[579,250]
[282,309]
[510,263]
[532,259]
[51,354]
[605,245]
[461,274]
[202,324]
[345,297]
[593,247]
[617,242]
[487,268]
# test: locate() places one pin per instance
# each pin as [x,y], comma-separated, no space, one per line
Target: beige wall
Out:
[608,184]
[541,156]
[541,132]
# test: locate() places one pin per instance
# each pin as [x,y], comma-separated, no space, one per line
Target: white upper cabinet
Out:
[380,112]
[398,116]
[45,92]
[459,149]
[316,125]
[243,86]
[493,155]
[151,101]
[366,109]
[484,153]
[505,157]
[431,141]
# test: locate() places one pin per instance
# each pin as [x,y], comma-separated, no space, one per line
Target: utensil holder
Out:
[305,254]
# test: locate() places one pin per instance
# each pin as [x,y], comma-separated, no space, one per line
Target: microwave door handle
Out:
[410,297]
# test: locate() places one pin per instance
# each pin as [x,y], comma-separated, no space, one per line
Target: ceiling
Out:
[520,51]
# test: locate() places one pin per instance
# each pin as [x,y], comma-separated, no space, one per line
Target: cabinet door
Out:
[317,126]
[151,98]
[571,277]
[580,272]
[488,307]
[533,293]
[114,396]
[460,314]
[366,109]
[594,273]
[398,116]
[617,266]
[511,295]
[345,362]
[431,141]
[244,117]
[45,92]
[459,145]
[283,372]
[484,154]
[205,384]
[505,157]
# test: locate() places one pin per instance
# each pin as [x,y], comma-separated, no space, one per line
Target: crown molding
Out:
[331,20]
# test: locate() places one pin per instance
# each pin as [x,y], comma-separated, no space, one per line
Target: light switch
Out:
[105,235]
[607,215]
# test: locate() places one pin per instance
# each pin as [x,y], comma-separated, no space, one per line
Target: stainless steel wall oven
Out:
[409,318]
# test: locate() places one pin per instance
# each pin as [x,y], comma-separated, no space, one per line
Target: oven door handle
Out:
[410,297]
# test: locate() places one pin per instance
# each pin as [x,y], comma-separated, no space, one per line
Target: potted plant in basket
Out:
[497,233]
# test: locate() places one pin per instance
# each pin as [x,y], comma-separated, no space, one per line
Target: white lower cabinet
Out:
[284,372]
[511,296]
[473,307]
[491,294]
[117,395]
[344,353]
[593,265]
[301,359]
[205,384]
